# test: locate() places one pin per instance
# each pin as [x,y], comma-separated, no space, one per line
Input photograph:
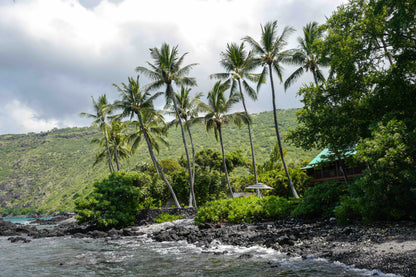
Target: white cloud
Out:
[21,119]
[57,53]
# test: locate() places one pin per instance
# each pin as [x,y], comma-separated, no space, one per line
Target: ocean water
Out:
[140,256]
[23,220]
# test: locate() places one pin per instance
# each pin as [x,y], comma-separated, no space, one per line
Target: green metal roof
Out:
[324,156]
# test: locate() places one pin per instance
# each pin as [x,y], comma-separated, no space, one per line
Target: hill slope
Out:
[49,170]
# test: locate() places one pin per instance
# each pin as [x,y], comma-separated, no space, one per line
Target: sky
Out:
[57,54]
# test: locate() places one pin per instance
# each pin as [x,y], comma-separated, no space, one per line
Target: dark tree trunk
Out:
[276,126]
[110,163]
[223,162]
[386,51]
[253,158]
[116,154]
[191,184]
[315,77]
[343,170]
[152,155]
[193,164]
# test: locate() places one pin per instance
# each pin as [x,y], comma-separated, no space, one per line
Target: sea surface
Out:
[24,220]
[140,256]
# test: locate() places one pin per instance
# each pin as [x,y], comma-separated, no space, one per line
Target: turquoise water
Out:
[140,256]
[24,220]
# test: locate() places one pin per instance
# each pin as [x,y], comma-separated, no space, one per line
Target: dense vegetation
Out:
[367,103]
[46,172]
[249,209]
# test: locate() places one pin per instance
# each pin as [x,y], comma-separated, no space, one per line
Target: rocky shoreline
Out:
[386,246]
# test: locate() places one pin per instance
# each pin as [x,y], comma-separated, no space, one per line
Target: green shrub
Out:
[115,200]
[207,185]
[165,217]
[249,209]
[387,190]
[320,200]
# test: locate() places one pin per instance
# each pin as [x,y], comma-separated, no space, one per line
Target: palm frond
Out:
[293,77]
[250,91]
[278,69]
[254,45]
[262,78]
[220,76]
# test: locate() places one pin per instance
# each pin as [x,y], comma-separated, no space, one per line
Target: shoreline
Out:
[382,246]
[389,247]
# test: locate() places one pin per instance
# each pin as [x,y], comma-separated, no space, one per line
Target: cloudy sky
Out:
[56,54]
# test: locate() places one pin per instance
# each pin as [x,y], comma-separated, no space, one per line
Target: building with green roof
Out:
[326,167]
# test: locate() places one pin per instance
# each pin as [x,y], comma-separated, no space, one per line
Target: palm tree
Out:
[155,128]
[119,141]
[217,114]
[136,101]
[188,109]
[166,70]
[102,109]
[238,65]
[307,56]
[270,54]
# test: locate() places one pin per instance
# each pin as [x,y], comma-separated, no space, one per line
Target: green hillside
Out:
[49,170]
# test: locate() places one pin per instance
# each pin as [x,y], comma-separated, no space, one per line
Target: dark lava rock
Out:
[245,256]
[19,239]
[147,216]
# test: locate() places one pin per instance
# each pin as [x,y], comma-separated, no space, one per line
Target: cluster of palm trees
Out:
[166,71]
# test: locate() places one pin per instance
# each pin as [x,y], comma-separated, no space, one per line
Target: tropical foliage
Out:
[167,70]
[116,199]
[270,54]
[217,115]
[249,209]
[239,66]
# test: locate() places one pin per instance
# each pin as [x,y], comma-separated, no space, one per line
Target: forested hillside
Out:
[47,171]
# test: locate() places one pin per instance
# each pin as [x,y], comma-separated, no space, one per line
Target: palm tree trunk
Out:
[191,184]
[223,162]
[386,51]
[253,158]
[342,168]
[116,154]
[110,163]
[193,165]
[315,77]
[152,155]
[276,126]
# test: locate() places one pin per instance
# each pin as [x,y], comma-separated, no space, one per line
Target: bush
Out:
[237,210]
[320,200]
[165,217]
[207,185]
[116,199]
[387,190]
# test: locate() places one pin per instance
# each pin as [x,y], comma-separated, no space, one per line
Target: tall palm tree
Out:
[239,66]
[136,101]
[155,128]
[188,109]
[270,54]
[307,57]
[102,109]
[217,115]
[167,69]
